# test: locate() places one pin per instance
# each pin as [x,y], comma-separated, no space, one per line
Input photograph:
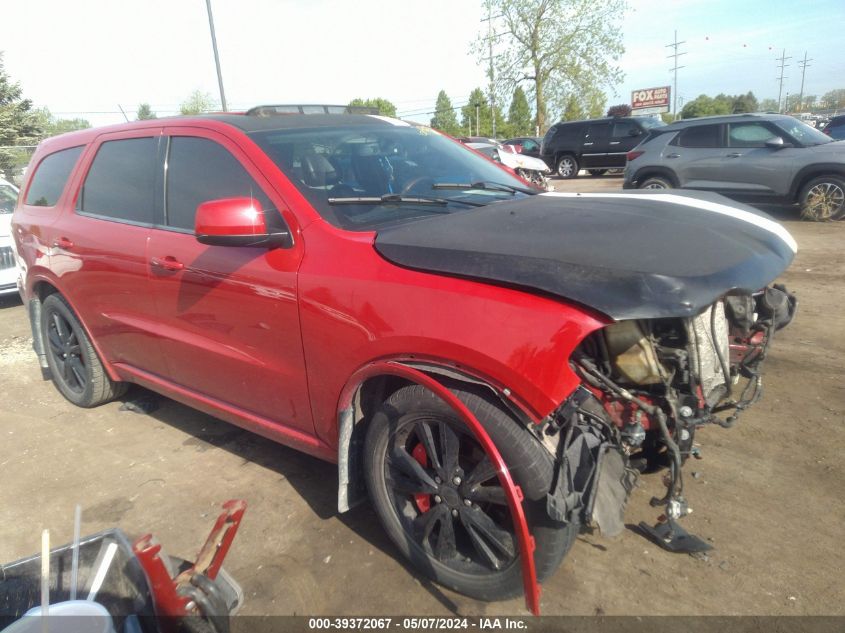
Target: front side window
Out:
[749,135]
[51,176]
[8,198]
[121,182]
[364,176]
[199,170]
[530,146]
[801,132]
[701,136]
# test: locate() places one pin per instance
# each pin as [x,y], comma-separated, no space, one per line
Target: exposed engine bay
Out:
[648,385]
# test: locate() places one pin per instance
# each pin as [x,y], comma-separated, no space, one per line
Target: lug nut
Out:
[437,480]
[454,513]
[467,502]
[437,499]
[456,481]
[685,411]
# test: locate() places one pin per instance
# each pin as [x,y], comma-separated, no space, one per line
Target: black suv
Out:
[835,128]
[595,145]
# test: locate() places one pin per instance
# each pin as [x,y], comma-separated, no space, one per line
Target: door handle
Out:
[673,155]
[587,143]
[615,142]
[62,243]
[168,263]
[733,155]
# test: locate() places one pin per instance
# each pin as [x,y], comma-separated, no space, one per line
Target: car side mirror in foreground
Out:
[777,142]
[237,222]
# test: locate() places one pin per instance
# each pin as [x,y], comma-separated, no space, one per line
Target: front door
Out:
[229,316]
[625,135]
[594,148]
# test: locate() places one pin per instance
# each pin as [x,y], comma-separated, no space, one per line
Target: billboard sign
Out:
[650,100]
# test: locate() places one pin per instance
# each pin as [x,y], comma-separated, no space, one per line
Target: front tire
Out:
[567,166]
[595,173]
[424,472]
[75,368]
[823,199]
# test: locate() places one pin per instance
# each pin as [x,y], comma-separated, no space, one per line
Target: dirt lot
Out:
[768,493]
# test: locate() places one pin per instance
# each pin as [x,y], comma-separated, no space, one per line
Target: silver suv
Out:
[763,157]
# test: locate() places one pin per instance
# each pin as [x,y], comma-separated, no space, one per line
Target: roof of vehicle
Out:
[723,118]
[6,182]
[840,118]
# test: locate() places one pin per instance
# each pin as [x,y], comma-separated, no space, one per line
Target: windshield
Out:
[801,132]
[380,164]
[650,122]
[8,197]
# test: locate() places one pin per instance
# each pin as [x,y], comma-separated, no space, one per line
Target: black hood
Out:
[630,256]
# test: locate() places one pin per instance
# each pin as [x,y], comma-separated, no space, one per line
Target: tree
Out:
[519,115]
[385,108]
[810,102]
[705,106]
[19,123]
[573,111]
[560,46]
[145,112]
[53,126]
[484,126]
[745,103]
[197,103]
[834,99]
[623,109]
[445,118]
[769,105]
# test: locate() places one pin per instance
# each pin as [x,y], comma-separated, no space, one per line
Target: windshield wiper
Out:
[396,198]
[484,184]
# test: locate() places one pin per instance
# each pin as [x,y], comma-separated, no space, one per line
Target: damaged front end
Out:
[648,385]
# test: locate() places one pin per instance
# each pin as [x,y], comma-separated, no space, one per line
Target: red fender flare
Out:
[512,490]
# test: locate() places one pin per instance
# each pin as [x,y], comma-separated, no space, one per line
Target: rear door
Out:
[99,246]
[695,155]
[228,316]
[625,135]
[595,145]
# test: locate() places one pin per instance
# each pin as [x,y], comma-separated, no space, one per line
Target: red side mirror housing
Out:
[236,222]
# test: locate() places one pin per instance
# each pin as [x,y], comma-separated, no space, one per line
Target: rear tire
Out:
[656,182]
[597,172]
[567,166]
[75,368]
[823,199]
[398,461]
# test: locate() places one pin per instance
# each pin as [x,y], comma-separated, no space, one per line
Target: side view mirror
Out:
[236,222]
[777,142]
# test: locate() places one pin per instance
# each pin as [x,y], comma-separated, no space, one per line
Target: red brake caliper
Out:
[422,500]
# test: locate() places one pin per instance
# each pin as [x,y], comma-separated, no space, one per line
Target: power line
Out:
[674,45]
[783,65]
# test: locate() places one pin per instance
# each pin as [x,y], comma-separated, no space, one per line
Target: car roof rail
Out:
[310,108]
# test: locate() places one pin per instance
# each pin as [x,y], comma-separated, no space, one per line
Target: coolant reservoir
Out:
[632,354]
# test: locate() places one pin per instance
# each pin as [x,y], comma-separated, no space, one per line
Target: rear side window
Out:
[199,170]
[121,182]
[51,176]
[623,129]
[701,136]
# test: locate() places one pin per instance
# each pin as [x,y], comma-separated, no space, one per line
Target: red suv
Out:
[375,294]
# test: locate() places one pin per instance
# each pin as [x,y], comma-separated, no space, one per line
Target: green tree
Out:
[145,112]
[623,109]
[385,108]
[574,110]
[485,115]
[834,99]
[768,105]
[706,106]
[810,102]
[19,123]
[745,103]
[53,126]
[520,121]
[595,101]
[445,118]
[560,46]
[197,103]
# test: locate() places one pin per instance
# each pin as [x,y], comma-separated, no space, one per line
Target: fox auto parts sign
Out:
[650,100]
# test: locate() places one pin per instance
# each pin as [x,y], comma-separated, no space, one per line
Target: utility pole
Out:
[783,65]
[216,56]
[491,72]
[803,65]
[477,118]
[674,45]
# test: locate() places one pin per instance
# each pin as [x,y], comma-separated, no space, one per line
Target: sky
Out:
[89,58]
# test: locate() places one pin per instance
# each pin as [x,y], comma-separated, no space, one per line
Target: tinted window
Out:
[199,170]
[50,178]
[596,131]
[748,135]
[836,131]
[530,146]
[622,129]
[701,136]
[121,181]
[8,197]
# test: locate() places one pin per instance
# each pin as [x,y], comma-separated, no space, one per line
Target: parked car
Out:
[835,128]
[595,145]
[8,267]
[377,295]
[751,156]
[528,168]
[527,145]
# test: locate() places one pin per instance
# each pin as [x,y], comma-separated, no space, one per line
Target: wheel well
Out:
[651,172]
[41,290]
[803,179]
